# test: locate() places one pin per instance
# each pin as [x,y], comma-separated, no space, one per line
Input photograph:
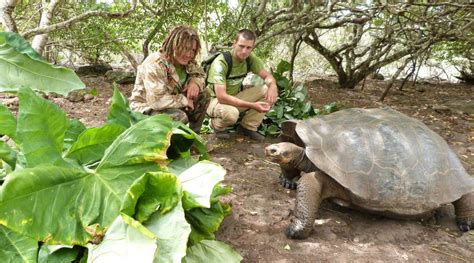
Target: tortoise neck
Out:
[302,163]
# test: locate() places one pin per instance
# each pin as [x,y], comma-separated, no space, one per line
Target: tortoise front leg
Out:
[464,209]
[289,176]
[308,200]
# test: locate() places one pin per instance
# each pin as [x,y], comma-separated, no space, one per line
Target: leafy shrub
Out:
[291,103]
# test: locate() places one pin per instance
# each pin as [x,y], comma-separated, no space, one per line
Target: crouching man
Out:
[229,99]
[171,82]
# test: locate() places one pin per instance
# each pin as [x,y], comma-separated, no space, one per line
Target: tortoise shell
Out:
[387,160]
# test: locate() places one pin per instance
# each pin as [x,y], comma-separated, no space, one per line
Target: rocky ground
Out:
[262,209]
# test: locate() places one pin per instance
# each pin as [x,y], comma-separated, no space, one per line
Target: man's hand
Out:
[261,106]
[272,94]
[190,106]
[192,90]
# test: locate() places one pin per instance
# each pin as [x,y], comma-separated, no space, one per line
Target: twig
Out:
[448,254]
[233,193]
[244,181]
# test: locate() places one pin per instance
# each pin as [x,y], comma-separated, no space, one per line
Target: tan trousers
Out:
[223,115]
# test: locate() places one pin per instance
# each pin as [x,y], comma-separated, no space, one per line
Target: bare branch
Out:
[124,51]
[6,10]
[76,19]
[39,41]
[259,12]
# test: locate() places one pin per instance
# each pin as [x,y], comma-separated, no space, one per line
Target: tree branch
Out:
[6,10]
[39,41]
[76,19]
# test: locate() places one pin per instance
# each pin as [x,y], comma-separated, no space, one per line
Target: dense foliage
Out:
[291,104]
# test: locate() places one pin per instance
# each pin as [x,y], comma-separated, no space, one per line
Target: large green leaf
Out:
[172,233]
[74,129]
[147,141]
[7,154]
[119,112]
[21,45]
[125,241]
[283,66]
[63,205]
[186,138]
[15,247]
[92,143]
[212,251]
[20,67]
[8,122]
[57,254]
[206,221]
[73,206]
[40,129]
[199,181]
[157,191]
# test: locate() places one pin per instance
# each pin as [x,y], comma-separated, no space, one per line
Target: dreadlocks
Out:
[180,38]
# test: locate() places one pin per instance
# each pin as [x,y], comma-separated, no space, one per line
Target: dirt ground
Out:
[262,209]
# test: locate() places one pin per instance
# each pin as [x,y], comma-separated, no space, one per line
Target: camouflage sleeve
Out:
[159,95]
[196,73]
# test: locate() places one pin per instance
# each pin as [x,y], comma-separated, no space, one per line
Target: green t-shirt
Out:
[218,72]
[181,71]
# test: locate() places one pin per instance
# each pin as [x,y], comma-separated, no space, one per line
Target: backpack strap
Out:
[228,60]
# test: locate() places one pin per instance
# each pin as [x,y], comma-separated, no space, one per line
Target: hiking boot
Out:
[251,134]
[221,134]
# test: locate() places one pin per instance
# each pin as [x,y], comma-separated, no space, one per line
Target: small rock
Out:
[121,77]
[420,89]
[441,109]
[94,69]
[88,97]
[377,76]
[75,96]
[287,247]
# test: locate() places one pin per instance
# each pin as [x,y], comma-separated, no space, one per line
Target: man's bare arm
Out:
[272,93]
[225,98]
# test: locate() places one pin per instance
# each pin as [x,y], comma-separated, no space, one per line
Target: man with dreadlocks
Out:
[171,81]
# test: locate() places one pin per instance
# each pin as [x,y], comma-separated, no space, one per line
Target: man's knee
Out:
[260,89]
[230,115]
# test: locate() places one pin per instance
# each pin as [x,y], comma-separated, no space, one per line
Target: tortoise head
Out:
[283,152]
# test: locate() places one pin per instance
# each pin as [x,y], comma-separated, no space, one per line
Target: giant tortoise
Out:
[376,160]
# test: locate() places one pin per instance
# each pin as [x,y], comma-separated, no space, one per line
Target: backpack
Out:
[206,64]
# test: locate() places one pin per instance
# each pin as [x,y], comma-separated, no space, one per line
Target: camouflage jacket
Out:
[157,86]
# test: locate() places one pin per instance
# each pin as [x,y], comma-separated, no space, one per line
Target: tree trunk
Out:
[149,38]
[296,47]
[39,41]
[335,62]
[412,70]
[6,10]
[394,77]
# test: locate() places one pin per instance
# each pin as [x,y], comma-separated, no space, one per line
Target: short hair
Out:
[180,37]
[247,34]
